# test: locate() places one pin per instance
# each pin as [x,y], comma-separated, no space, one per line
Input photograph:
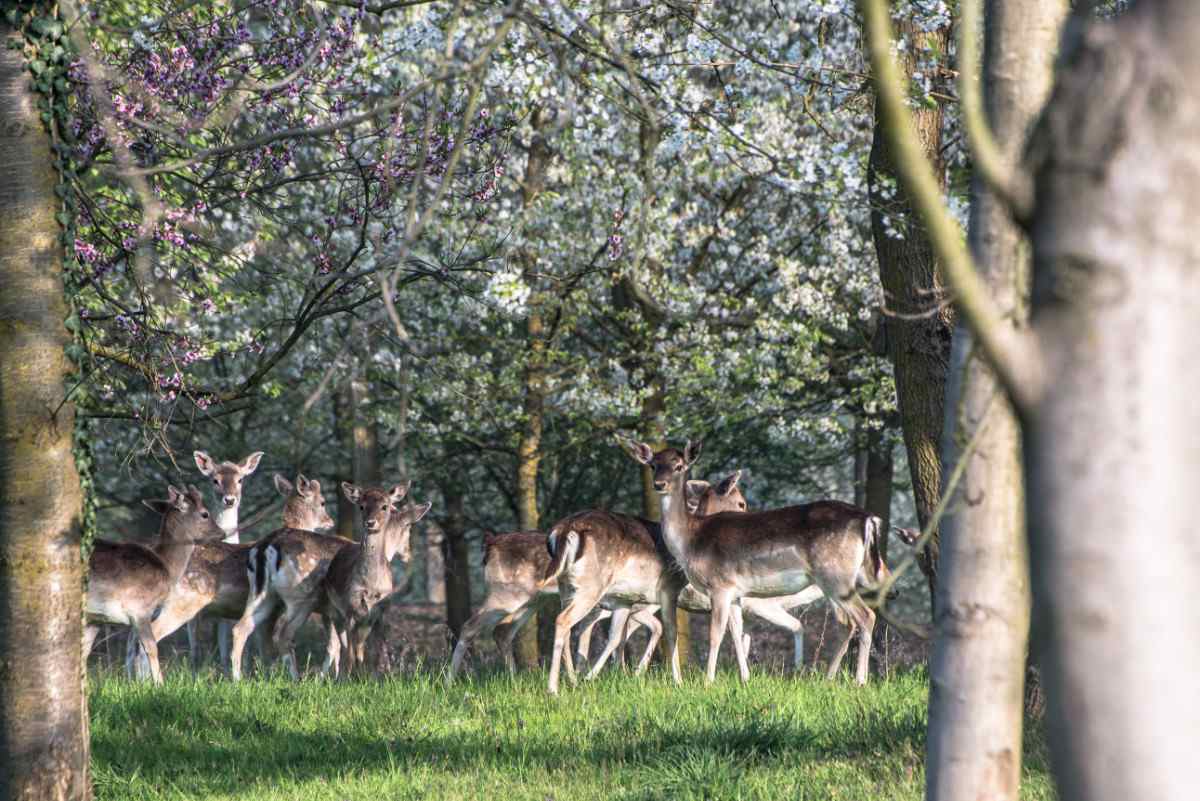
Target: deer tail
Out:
[563,549]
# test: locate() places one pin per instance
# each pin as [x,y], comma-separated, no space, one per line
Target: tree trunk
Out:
[43,710]
[435,563]
[1109,446]
[366,427]
[877,492]
[457,561]
[981,622]
[919,331]
[344,423]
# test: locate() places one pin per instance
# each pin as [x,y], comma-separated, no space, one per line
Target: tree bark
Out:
[366,427]
[919,330]
[1109,446]
[457,562]
[435,563]
[981,623]
[529,450]
[344,424]
[43,710]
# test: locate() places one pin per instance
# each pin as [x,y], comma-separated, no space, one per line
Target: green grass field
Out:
[502,738]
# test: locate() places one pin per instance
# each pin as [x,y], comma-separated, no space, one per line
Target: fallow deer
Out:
[216,583]
[514,568]
[765,554]
[227,478]
[128,583]
[285,571]
[359,579]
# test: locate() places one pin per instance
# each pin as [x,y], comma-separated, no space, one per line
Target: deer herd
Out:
[707,555]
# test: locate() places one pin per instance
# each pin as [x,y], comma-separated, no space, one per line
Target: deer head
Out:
[382,514]
[669,466]
[705,499]
[304,508]
[227,476]
[184,517]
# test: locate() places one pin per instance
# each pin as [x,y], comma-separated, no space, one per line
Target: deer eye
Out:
[204,515]
[217,481]
[741,505]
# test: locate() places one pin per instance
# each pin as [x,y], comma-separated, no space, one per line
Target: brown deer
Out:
[128,583]
[514,569]
[765,554]
[514,566]
[359,579]
[216,582]
[226,486]
[285,571]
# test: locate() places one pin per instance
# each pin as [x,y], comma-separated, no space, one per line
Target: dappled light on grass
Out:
[495,736]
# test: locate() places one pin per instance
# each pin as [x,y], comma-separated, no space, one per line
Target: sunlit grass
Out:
[499,737]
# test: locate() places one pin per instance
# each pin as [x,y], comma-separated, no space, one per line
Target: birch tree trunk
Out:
[1110,446]
[919,332]
[43,711]
[981,621]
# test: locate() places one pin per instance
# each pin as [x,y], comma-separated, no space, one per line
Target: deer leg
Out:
[259,608]
[864,620]
[293,619]
[90,632]
[722,601]
[616,634]
[150,645]
[739,645]
[848,623]
[482,623]
[647,618]
[333,650]
[770,611]
[575,610]
[667,598]
[584,649]
[516,621]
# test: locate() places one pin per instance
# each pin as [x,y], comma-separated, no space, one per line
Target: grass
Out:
[499,737]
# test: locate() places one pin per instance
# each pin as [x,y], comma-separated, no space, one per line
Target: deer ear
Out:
[691,452]
[204,462]
[729,483]
[351,492]
[314,487]
[283,486]
[640,451]
[176,499]
[251,463]
[303,485]
[195,497]
[157,505]
[399,491]
[695,488]
[420,510]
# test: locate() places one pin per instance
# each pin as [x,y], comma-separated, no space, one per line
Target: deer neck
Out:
[676,521]
[175,552]
[373,563]
[227,521]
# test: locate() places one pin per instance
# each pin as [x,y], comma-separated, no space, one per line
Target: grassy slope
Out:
[502,738]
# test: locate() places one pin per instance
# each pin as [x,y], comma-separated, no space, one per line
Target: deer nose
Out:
[371,524]
[230,500]
[661,486]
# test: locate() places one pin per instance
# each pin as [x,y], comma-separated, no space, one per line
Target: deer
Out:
[359,579]
[514,569]
[285,571]
[227,478]
[215,582]
[730,557]
[704,499]
[128,583]
[514,565]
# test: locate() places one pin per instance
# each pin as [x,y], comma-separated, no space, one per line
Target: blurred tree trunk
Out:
[366,427]
[43,710]
[529,450]
[435,563]
[457,562]
[981,621]
[344,424]
[1109,444]
[919,331]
